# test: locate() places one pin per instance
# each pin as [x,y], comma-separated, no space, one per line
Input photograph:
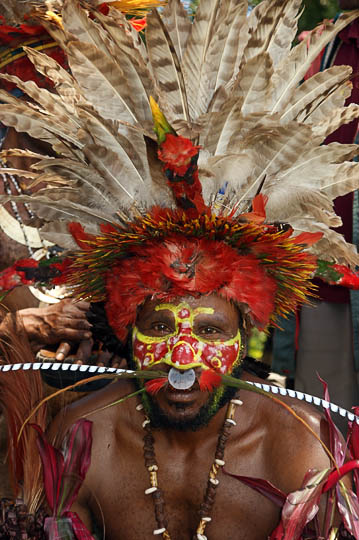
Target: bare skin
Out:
[267,442]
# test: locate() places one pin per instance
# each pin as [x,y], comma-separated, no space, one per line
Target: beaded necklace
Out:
[212,483]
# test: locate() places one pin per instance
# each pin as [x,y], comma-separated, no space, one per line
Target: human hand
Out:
[64,323]
[86,354]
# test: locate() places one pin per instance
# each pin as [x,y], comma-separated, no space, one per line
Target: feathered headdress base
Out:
[167,255]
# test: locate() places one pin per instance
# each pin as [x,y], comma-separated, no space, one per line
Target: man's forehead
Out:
[183,310]
[188,306]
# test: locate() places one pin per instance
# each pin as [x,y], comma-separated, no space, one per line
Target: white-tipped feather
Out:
[78,24]
[323,106]
[225,49]
[273,27]
[332,247]
[166,69]
[335,120]
[320,86]
[25,119]
[64,83]
[193,62]
[128,146]
[44,207]
[102,82]
[277,146]
[286,31]
[291,70]
[253,81]
[124,35]
[46,100]
[178,25]
[57,231]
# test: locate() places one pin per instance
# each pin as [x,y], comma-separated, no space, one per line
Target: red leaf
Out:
[348,506]
[353,445]
[258,213]
[26,263]
[262,486]
[107,228]
[278,533]
[302,506]
[154,385]
[336,440]
[138,24]
[53,468]
[64,471]
[209,380]
[9,278]
[63,268]
[336,475]
[76,450]
[176,152]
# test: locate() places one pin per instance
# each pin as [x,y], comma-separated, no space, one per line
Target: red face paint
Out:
[184,349]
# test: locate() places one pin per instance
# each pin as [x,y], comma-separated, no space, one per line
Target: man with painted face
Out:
[198,202]
[188,437]
[184,338]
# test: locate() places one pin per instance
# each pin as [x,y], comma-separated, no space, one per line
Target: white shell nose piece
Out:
[181,380]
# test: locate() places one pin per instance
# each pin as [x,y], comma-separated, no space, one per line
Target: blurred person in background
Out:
[324,338]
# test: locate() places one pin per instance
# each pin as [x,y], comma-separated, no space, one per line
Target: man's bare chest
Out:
[237,512]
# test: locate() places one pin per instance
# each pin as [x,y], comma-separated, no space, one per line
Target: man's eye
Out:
[208,330]
[161,328]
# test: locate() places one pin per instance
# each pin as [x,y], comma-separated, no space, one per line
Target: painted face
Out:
[185,337]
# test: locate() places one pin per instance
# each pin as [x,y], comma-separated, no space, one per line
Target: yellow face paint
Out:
[182,348]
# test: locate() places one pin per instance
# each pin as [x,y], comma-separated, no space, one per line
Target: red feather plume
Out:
[153,386]
[209,380]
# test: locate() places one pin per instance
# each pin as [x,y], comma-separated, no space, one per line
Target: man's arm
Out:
[62,323]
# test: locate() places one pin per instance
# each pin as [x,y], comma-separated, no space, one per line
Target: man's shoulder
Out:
[295,435]
[96,407]
[282,411]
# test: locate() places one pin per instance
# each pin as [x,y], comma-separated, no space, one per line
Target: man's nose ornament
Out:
[181,380]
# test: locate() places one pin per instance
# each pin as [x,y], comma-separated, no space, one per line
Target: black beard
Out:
[217,399]
[159,419]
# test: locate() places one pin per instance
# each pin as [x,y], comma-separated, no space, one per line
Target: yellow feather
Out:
[161,126]
[136,7]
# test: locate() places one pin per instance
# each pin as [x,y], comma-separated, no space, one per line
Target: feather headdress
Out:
[19,11]
[176,160]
